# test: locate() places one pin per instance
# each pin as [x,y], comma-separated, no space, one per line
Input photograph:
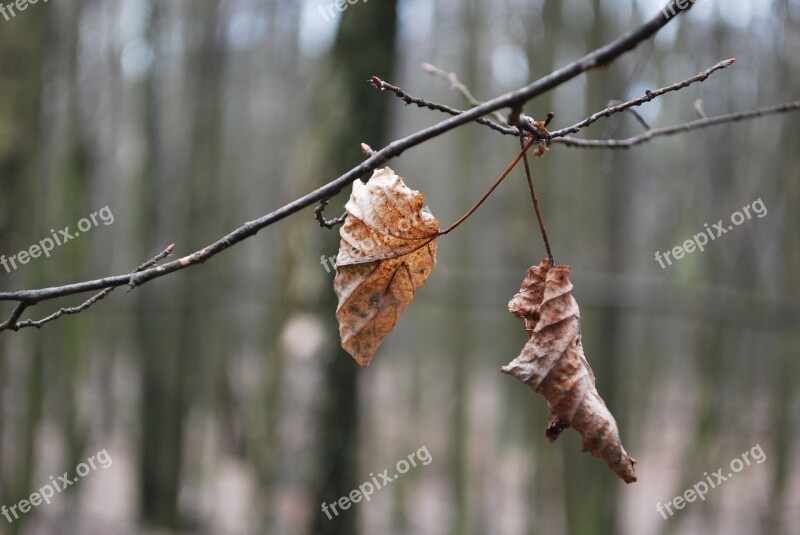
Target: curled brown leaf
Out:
[552,363]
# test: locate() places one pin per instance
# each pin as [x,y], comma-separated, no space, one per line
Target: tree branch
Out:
[514,100]
[422,103]
[648,96]
[562,133]
[669,130]
[457,86]
[14,325]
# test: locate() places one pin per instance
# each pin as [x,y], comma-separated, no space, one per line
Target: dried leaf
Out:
[387,251]
[552,363]
[540,149]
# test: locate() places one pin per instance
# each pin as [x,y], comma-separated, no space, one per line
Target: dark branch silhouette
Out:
[677,129]
[514,100]
[15,325]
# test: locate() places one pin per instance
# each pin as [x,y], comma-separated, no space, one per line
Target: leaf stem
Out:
[534,198]
[497,182]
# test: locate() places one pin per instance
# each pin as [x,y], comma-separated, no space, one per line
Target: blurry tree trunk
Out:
[20,100]
[467,519]
[64,189]
[364,46]
[591,494]
[176,350]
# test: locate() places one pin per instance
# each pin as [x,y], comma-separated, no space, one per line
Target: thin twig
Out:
[639,118]
[319,211]
[535,200]
[454,82]
[491,188]
[15,315]
[670,130]
[698,107]
[647,97]
[15,325]
[422,103]
[320,216]
[457,86]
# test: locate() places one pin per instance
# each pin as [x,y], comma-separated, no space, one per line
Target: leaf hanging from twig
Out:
[552,363]
[387,251]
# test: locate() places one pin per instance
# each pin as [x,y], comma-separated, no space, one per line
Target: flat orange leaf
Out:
[552,363]
[387,251]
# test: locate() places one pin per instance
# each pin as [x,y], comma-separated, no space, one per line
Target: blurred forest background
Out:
[220,392]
